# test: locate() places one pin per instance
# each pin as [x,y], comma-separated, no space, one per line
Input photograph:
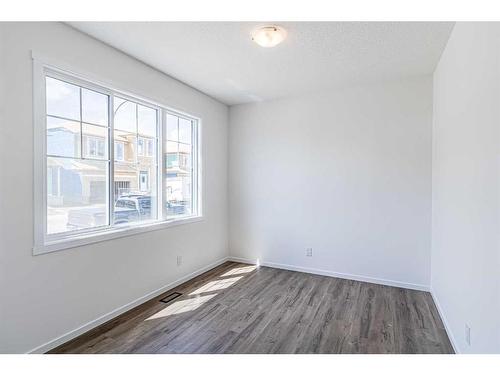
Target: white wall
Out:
[43,297]
[347,173]
[466,145]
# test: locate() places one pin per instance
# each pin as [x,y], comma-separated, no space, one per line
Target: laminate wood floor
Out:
[237,308]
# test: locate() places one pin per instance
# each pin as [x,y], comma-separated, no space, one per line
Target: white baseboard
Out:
[445,322]
[120,310]
[316,271]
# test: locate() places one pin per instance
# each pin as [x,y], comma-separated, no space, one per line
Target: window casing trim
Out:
[115,232]
[44,243]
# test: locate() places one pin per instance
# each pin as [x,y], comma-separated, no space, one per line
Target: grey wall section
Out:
[347,173]
[465,272]
[43,297]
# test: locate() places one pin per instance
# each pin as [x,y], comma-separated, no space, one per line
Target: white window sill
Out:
[108,234]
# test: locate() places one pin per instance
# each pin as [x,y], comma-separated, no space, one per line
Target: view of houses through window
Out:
[77,157]
[134,200]
[178,166]
[82,177]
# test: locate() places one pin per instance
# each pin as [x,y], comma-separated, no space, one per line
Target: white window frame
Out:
[44,243]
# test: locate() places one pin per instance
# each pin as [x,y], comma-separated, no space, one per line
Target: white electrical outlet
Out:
[309,252]
[179,260]
[467,334]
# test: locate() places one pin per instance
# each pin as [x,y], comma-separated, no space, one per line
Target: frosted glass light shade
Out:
[269,36]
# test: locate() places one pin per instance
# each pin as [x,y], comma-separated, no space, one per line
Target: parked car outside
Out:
[128,208]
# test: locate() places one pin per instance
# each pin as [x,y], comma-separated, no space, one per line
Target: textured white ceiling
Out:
[220,59]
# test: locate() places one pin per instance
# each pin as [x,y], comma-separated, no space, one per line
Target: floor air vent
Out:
[170,297]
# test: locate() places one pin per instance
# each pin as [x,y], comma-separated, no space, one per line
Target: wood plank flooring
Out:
[237,308]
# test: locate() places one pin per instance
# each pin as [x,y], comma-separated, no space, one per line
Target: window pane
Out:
[178,168]
[185,160]
[63,99]
[125,115]
[119,151]
[76,194]
[146,147]
[125,146]
[147,179]
[178,192]
[184,130]
[172,128]
[146,121]
[95,142]
[135,192]
[94,107]
[172,155]
[140,146]
[136,177]
[63,137]
[150,147]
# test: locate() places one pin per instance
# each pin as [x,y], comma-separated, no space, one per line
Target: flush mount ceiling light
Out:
[269,36]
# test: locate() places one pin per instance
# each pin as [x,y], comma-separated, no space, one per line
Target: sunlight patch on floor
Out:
[216,285]
[240,270]
[179,307]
